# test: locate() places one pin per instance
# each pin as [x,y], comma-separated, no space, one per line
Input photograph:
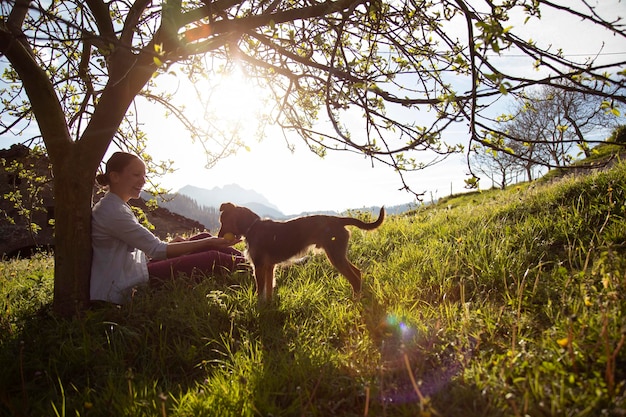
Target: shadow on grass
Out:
[119,361]
[112,359]
[421,367]
[408,371]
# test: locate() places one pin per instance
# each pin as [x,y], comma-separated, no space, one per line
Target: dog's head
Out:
[236,220]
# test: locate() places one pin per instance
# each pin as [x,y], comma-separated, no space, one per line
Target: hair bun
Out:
[102,179]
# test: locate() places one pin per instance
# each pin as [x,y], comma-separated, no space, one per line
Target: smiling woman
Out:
[127,255]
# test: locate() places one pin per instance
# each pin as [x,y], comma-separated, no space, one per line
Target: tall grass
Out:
[500,303]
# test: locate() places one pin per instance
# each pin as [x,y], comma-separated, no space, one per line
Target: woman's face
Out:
[129,182]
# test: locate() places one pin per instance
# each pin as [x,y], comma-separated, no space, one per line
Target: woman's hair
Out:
[116,163]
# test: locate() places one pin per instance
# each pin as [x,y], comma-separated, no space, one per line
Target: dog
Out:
[273,242]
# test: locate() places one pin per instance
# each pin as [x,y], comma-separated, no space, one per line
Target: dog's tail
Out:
[351,221]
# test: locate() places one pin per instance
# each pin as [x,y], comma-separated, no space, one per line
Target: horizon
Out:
[269,204]
[307,183]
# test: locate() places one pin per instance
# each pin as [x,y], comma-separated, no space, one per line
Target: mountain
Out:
[211,200]
[264,211]
[235,194]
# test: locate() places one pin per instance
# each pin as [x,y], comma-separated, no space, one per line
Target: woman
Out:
[126,254]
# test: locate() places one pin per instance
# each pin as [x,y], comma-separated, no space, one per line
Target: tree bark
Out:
[74,180]
[74,166]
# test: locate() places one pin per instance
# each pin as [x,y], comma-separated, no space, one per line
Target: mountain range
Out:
[202,204]
[259,203]
[235,194]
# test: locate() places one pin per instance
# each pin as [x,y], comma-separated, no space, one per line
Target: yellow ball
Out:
[229,236]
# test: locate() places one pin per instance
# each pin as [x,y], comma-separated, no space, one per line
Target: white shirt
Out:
[120,245]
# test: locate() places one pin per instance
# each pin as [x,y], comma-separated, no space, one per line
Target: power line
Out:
[563,55]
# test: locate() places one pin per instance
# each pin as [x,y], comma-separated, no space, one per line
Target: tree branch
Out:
[245,24]
[39,88]
[132,19]
[101,14]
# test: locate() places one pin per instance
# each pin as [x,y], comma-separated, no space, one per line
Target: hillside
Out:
[493,303]
[167,223]
[186,206]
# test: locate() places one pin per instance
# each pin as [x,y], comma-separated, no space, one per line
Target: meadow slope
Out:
[495,303]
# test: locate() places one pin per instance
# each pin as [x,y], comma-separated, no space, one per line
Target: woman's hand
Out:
[223,242]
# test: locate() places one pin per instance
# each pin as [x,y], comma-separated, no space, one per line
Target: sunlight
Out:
[235,104]
[223,112]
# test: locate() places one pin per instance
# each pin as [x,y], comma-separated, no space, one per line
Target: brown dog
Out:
[271,242]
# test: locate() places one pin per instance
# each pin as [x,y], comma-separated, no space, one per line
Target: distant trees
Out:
[548,127]
[499,166]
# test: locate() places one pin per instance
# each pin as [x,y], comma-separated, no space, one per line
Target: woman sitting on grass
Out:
[126,254]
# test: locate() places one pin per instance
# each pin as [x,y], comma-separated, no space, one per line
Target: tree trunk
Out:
[74,180]
[74,165]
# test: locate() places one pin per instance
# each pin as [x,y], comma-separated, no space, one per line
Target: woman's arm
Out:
[175,249]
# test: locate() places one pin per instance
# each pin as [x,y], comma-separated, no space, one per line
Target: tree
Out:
[499,166]
[76,67]
[552,121]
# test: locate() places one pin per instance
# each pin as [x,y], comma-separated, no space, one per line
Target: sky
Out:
[300,181]
[296,180]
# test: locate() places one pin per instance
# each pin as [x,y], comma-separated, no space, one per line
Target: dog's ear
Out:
[226,206]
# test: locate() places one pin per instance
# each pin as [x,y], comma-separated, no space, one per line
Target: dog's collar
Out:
[251,226]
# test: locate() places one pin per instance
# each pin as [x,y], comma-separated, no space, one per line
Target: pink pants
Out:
[207,262]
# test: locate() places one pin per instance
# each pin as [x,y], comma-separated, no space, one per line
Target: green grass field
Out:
[494,303]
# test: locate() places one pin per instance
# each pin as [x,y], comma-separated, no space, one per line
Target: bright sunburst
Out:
[235,104]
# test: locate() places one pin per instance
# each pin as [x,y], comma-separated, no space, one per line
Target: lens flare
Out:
[394,324]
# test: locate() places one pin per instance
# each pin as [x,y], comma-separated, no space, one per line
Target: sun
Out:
[234,102]
[221,114]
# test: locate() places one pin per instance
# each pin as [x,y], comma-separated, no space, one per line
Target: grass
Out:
[500,303]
